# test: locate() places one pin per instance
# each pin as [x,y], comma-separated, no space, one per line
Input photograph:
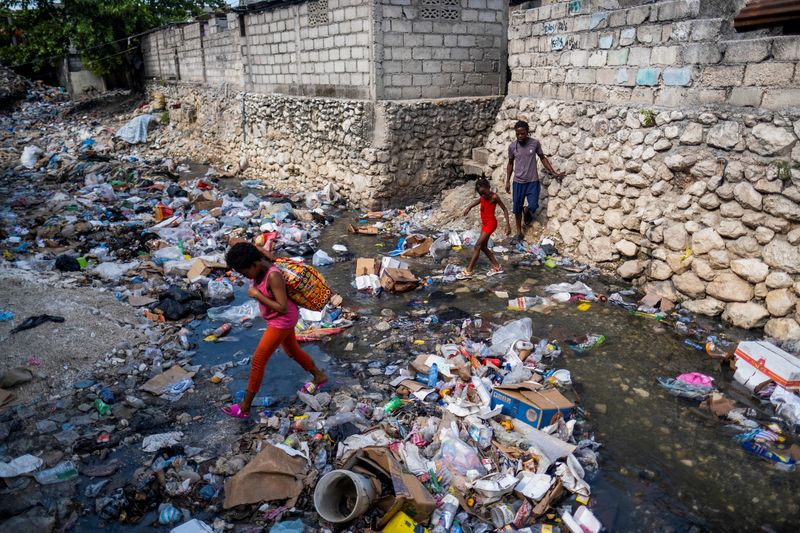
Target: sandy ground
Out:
[95,323]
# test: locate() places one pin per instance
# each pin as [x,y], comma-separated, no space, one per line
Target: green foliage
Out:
[97,29]
[784,170]
[648,118]
[164,118]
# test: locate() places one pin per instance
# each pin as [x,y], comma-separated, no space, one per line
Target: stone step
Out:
[474,168]
[481,155]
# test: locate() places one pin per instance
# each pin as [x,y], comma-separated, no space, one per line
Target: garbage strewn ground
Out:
[546,397]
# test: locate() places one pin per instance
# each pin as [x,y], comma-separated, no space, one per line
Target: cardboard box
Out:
[365,266]
[202,267]
[761,361]
[530,403]
[420,246]
[205,201]
[391,262]
[398,280]
[404,492]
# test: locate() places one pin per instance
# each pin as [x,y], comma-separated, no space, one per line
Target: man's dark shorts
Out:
[522,191]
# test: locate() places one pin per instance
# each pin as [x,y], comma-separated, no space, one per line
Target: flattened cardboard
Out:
[405,492]
[654,300]
[530,403]
[158,384]
[366,266]
[363,230]
[718,404]
[272,475]
[205,201]
[398,280]
[420,246]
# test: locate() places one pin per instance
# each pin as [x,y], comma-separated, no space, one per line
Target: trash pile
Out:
[456,421]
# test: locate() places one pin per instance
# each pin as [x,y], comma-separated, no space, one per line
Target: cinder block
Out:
[422,53]
[618,57]
[598,21]
[597,59]
[665,55]
[469,15]
[677,76]
[781,98]
[642,95]
[607,76]
[639,56]
[648,34]
[701,53]
[627,36]
[606,41]
[746,96]
[711,96]
[769,74]
[580,75]
[786,48]
[672,97]
[637,15]
[747,51]
[722,76]
[617,18]
[648,76]
[579,58]
[706,30]
[487,16]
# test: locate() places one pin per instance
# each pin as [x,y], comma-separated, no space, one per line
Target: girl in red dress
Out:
[488,201]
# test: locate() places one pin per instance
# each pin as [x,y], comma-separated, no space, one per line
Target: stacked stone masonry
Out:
[653,54]
[681,144]
[378,154]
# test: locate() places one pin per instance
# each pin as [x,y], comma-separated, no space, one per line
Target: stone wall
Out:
[436,48]
[662,54]
[694,196]
[379,154]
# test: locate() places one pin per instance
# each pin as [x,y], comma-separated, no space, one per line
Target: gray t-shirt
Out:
[524,158]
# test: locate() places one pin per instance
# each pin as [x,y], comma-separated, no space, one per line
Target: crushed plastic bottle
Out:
[59,473]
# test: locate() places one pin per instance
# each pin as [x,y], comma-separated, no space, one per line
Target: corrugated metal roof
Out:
[767,13]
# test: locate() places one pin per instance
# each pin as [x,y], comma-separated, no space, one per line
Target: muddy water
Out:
[664,465]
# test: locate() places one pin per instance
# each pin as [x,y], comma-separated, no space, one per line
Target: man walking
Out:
[522,164]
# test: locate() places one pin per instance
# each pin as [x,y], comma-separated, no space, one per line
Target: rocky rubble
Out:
[710,192]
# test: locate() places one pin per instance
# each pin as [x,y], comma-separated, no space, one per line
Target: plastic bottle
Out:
[61,472]
[433,375]
[283,429]
[394,404]
[102,407]
[449,510]
[106,395]
[482,391]
[321,459]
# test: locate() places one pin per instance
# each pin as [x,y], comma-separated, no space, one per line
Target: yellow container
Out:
[402,523]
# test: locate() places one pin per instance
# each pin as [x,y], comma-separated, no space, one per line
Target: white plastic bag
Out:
[30,155]
[219,291]
[321,258]
[234,313]
[114,271]
[505,336]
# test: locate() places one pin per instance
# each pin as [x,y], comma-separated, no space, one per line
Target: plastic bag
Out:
[114,271]
[458,456]
[469,238]
[219,291]
[321,258]
[169,253]
[234,314]
[505,336]
[440,248]
[30,155]
[787,404]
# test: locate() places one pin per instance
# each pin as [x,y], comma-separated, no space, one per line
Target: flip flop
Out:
[234,411]
[464,275]
[494,272]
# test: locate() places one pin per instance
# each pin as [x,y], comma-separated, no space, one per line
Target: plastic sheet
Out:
[505,336]
[135,130]
[30,155]
[234,313]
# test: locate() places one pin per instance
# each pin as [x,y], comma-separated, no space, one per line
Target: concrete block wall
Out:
[441,48]
[319,48]
[222,53]
[190,53]
[659,54]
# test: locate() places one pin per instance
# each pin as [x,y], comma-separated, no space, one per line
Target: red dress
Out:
[488,218]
